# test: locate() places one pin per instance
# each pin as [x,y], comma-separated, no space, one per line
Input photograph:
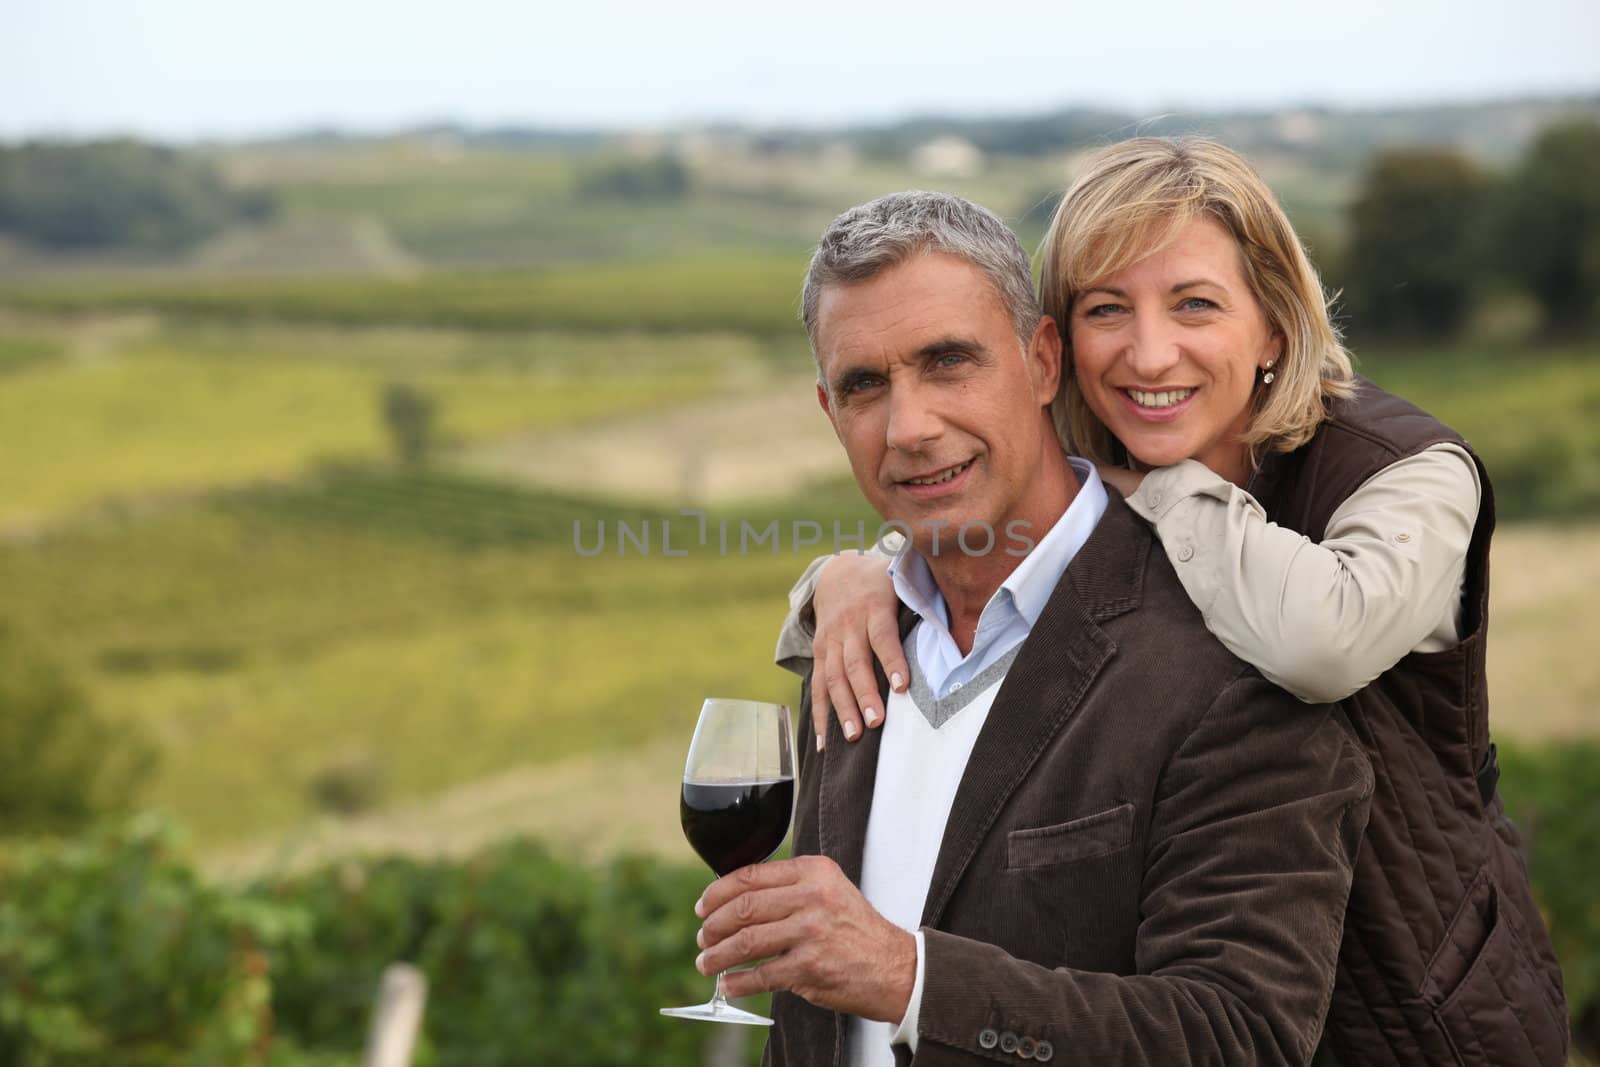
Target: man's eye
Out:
[860,385]
[950,359]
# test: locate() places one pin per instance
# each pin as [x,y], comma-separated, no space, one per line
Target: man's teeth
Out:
[945,477]
[1160,400]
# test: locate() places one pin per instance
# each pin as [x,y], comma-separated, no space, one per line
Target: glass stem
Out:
[718,1001]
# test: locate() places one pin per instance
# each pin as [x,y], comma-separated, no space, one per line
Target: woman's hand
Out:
[858,618]
[1127,482]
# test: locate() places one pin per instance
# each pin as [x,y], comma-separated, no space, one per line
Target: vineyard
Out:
[395,523]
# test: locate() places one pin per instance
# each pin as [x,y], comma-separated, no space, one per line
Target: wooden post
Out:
[727,1046]
[397,1017]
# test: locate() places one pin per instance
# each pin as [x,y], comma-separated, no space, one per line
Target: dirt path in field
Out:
[760,437]
[1544,631]
[590,806]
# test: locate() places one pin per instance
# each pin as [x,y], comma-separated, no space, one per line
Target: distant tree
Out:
[1549,240]
[408,413]
[1416,234]
[117,193]
[61,765]
[662,177]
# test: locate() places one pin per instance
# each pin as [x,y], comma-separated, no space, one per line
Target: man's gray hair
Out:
[885,232]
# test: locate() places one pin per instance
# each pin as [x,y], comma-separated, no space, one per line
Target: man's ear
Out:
[1044,359]
[827,408]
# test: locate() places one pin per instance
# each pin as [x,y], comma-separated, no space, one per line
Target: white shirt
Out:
[920,762]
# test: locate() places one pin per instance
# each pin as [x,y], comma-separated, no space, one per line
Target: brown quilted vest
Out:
[1445,959]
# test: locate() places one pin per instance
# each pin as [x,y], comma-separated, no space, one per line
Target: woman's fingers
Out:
[857,620]
[883,630]
[860,685]
[836,688]
[819,713]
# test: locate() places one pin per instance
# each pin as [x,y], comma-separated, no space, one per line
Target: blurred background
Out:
[358,366]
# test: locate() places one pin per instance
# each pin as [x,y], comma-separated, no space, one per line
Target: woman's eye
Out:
[1197,303]
[1102,310]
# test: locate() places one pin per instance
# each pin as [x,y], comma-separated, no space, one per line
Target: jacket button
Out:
[1044,1052]
[1027,1047]
[988,1039]
[1008,1042]
[1185,553]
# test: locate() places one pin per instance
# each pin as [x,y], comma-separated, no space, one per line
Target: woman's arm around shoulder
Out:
[1323,620]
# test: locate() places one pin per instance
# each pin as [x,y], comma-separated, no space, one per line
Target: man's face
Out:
[940,408]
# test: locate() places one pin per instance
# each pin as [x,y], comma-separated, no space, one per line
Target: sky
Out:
[194,69]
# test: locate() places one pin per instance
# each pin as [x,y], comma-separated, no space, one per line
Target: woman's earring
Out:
[1266,379]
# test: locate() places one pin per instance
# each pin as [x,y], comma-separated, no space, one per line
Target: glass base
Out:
[718,1011]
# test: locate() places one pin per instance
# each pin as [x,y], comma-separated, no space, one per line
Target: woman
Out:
[1331,534]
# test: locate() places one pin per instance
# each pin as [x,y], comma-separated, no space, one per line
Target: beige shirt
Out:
[1320,620]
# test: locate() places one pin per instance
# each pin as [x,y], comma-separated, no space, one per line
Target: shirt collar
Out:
[1040,571]
[1030,585]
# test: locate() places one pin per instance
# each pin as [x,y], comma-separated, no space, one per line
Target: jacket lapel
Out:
[1058,663]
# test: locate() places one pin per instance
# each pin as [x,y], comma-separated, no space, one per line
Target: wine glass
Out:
[738,795]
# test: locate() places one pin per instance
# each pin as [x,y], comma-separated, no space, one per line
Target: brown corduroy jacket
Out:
[1148,858]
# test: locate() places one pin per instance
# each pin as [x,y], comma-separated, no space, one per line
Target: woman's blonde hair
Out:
[1130,201]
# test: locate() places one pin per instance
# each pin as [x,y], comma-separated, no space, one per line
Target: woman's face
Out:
[1166,352]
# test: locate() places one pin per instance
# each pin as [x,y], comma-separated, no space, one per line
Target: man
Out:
[1086,833]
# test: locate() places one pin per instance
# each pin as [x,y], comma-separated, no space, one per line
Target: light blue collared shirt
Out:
[1014,608]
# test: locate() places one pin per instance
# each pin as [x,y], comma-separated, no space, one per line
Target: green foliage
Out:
[61,764]
[1415,249]
[1550,239]
[115,193]
[662,177]
[1532,416]
[114,954]
[1553,793]
[529,960]
[408,415]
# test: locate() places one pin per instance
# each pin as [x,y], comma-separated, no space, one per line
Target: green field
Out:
[746,294]
[200,515]
[377,637]
[119,409]
[1532,413]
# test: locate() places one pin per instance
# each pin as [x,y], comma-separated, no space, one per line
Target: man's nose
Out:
[1154,348]
[913,423]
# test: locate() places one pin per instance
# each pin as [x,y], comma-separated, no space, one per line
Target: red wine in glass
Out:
[736,802]
[732,824]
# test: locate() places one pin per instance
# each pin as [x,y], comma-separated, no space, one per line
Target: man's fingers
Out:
[883,630]
[750,909]
[766,978]
[755,877]
[746,946]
